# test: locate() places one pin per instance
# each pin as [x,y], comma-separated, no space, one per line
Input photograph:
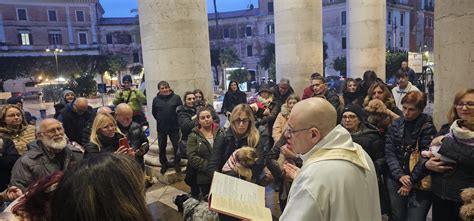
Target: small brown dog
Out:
[467,211]
[240,163]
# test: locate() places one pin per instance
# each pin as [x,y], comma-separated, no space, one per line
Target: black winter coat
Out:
[109,145]
[8,157]
[398,149]
[164,111]
[185,121]
[74,123]
[280,99]
[448,185]
[233,99]
[136,137]
[373,143]
[226,143]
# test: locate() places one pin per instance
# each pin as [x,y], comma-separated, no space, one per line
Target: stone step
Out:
[153,165]
[169,177]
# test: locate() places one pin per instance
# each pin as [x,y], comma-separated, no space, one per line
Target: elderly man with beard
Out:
[47,154]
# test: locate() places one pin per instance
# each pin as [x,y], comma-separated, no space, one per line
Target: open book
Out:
[238,198]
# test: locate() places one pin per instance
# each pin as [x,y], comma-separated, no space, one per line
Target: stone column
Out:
[298,41]
[366,34]
[175,42]
[454,53]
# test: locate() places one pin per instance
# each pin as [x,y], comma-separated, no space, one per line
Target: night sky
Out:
[121,8]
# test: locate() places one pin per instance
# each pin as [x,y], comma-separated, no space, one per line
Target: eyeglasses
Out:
[289,132]
[469,105]
[240,121]
[53,131]
[350,117]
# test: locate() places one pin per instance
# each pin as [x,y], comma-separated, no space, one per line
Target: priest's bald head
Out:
[309,122]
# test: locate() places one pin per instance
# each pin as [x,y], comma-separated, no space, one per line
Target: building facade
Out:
[408,23]
[28,28]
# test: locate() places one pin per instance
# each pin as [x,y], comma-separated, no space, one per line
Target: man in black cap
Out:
[133,97]
[18,101]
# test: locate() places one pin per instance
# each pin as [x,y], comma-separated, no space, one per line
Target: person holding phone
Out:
[107,137]
[133,131]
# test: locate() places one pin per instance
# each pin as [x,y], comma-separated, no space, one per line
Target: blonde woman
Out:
[13,126]
[282,118]
[105,136]
[241,132]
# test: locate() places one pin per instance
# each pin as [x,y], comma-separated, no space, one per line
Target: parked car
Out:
[218,99]
[31,95]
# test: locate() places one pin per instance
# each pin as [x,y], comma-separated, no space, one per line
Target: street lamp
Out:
[56,52]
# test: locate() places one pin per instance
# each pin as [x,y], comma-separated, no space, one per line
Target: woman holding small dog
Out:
[457,145]
[241,132]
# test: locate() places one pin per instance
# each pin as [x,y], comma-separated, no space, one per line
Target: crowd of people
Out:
[368,152]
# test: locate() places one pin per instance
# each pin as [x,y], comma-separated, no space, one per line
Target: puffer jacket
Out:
[37,162]
[8,157]
[20,138]
[373,143]
[279,98]
[164,111]
[448,185]
[136,137]
[227,143]
[398,149]
[199,151]
[107,145]
[185,121]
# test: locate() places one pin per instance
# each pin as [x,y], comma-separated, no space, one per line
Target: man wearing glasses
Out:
[49,153]
[337,174]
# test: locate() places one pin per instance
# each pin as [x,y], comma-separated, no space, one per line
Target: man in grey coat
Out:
[47,154]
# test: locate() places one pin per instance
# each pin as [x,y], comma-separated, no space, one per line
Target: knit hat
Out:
[127,78]
[15,100]
[264,88]
[356,110]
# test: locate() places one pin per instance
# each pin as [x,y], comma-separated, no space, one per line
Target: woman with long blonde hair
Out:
[105,137]
[241,132]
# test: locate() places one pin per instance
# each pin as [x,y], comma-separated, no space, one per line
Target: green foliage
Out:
[393,62]
[268,57]
[228,57]
[15,67]
[116,64]
[340,64]
[240,75]
[83,85]
[215,62]
[52,92]
[136,69]
[272,70]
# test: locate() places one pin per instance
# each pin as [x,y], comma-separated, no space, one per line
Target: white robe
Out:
[336,188]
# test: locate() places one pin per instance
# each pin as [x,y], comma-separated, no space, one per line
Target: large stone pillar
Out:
[298,41]
[366,31]
[175,44]
[454,53]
